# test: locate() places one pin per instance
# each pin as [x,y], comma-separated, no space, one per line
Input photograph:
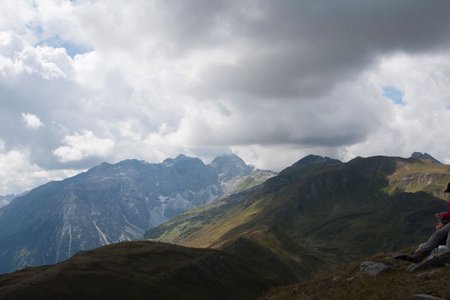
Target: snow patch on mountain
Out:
[103,238]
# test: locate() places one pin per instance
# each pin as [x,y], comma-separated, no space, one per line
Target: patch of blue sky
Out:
[72,48]
[394,94]
[56,41]
[448,107]
[38,31]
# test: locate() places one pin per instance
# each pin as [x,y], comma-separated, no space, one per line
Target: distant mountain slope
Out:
[230,166]
[6,199]
[243,183]
[321,211]
[142,270]
[108,203]
[419,174]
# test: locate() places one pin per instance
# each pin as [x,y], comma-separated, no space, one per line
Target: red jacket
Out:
[444,215]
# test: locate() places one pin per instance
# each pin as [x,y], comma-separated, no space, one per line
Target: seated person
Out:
[440,237]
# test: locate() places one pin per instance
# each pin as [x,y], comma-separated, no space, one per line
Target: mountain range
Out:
[111,203]
[314,216]
[321,212]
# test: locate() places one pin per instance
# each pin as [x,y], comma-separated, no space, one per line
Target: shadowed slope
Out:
[140,270]
[349,282]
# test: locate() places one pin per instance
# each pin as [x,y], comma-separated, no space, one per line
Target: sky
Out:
[87,81]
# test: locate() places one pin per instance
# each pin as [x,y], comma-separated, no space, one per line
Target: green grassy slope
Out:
[419,175]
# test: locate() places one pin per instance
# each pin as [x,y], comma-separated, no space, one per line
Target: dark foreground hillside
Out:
[355,282]
[140,270]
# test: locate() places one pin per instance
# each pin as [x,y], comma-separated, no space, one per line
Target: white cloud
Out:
[271,82]
[81,146]
[32,121]
[18,56]
[423,122]
[16,15]
[18,174]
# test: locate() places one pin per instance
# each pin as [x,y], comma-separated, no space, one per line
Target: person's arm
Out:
[444,215]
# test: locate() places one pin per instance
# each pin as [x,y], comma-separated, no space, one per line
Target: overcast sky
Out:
[87,81]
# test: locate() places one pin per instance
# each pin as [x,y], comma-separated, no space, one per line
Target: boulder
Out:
[373,268]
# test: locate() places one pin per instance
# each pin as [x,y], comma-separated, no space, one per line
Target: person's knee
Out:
[443,231]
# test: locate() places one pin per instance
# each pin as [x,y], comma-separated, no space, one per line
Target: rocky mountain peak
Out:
[424,156]
[129,167]
[230,165]
[182,159]
[187,160]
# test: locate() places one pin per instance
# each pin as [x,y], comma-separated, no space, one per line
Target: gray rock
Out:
[425,296]
[373,268]
[428,274]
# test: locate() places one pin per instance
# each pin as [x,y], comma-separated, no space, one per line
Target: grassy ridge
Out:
[143,270]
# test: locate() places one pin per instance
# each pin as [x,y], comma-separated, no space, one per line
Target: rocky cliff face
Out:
[109,203]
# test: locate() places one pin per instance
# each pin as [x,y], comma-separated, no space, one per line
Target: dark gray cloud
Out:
[302,48]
